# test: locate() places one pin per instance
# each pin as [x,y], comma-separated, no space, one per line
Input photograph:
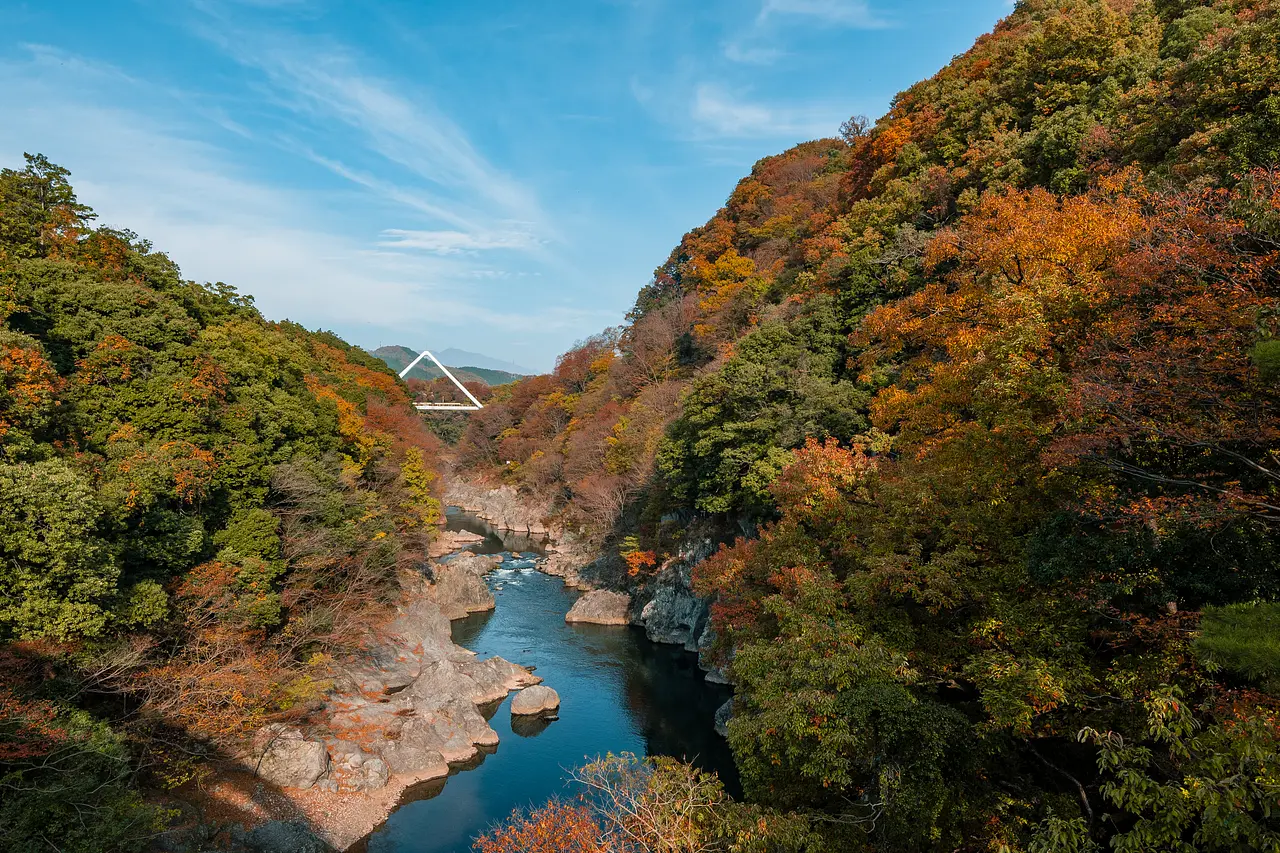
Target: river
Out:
[618,693]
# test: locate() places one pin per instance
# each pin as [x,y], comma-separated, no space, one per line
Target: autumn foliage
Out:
[198,510]
[981,400]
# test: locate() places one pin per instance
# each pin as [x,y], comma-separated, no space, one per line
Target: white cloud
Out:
[719,113]
[457,242]
[318,80]
[294,251]
[747,55]
[847,13]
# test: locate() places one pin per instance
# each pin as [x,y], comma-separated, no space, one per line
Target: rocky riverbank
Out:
[404,710]
[665,605]
[501,506]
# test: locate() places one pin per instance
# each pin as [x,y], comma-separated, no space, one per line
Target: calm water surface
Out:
[618,693]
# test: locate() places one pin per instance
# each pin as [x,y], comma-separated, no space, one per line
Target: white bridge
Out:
[475,406]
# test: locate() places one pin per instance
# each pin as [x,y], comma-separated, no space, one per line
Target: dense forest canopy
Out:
[990,385]
[198,510]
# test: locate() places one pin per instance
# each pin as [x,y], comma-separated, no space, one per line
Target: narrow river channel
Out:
[618,693]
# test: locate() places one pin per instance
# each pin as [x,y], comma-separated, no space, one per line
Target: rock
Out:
[374,774]
[421,629]
[716,675]
[477,564]
[459,588]
[535,700]
[287,759]
[494,678]
[461,715]
[600,607]
[723,714]
[419,750]
[448,541]
[356,770]
[284,836]
[674,615]
[502,507]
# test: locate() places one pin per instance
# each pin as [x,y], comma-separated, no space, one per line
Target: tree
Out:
[39,213]
[58,573]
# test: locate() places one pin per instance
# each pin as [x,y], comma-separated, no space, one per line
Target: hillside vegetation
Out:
[992,383]
[198,510]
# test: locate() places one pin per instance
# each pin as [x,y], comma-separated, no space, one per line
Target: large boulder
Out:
[287,759]
[600,607]
[459,588]
[535,700]
[494,678]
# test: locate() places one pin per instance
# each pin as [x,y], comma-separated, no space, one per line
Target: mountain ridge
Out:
[398,357]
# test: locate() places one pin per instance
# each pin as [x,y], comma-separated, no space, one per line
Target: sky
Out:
[500,177]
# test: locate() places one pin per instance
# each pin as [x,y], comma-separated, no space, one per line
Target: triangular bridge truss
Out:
[475,406]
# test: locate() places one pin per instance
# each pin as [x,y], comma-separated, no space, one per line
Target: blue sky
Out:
[495,176]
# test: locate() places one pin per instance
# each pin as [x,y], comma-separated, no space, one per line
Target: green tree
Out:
[57,572]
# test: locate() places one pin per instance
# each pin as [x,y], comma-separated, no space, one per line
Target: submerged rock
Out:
[600,607]
[535,700]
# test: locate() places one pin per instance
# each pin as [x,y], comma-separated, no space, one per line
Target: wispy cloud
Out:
[458,242]
[719,113]
[756,43]
[326,83]
[145,165]
[747,55]
[846,13]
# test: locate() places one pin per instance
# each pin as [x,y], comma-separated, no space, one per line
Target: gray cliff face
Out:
[672,612]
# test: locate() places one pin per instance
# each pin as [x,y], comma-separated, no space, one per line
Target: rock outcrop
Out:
[569,557]
[448,541]
[534,700]
[601,607]
[286,757]
[459,588]
[502,507]
[674,615]
[407,706]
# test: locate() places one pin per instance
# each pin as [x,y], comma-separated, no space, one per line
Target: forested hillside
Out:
[198,509]
[992,384]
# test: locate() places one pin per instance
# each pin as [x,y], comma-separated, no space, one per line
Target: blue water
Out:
[618,693]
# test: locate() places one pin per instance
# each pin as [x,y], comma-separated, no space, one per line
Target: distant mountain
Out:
[398,357]
[451,356]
